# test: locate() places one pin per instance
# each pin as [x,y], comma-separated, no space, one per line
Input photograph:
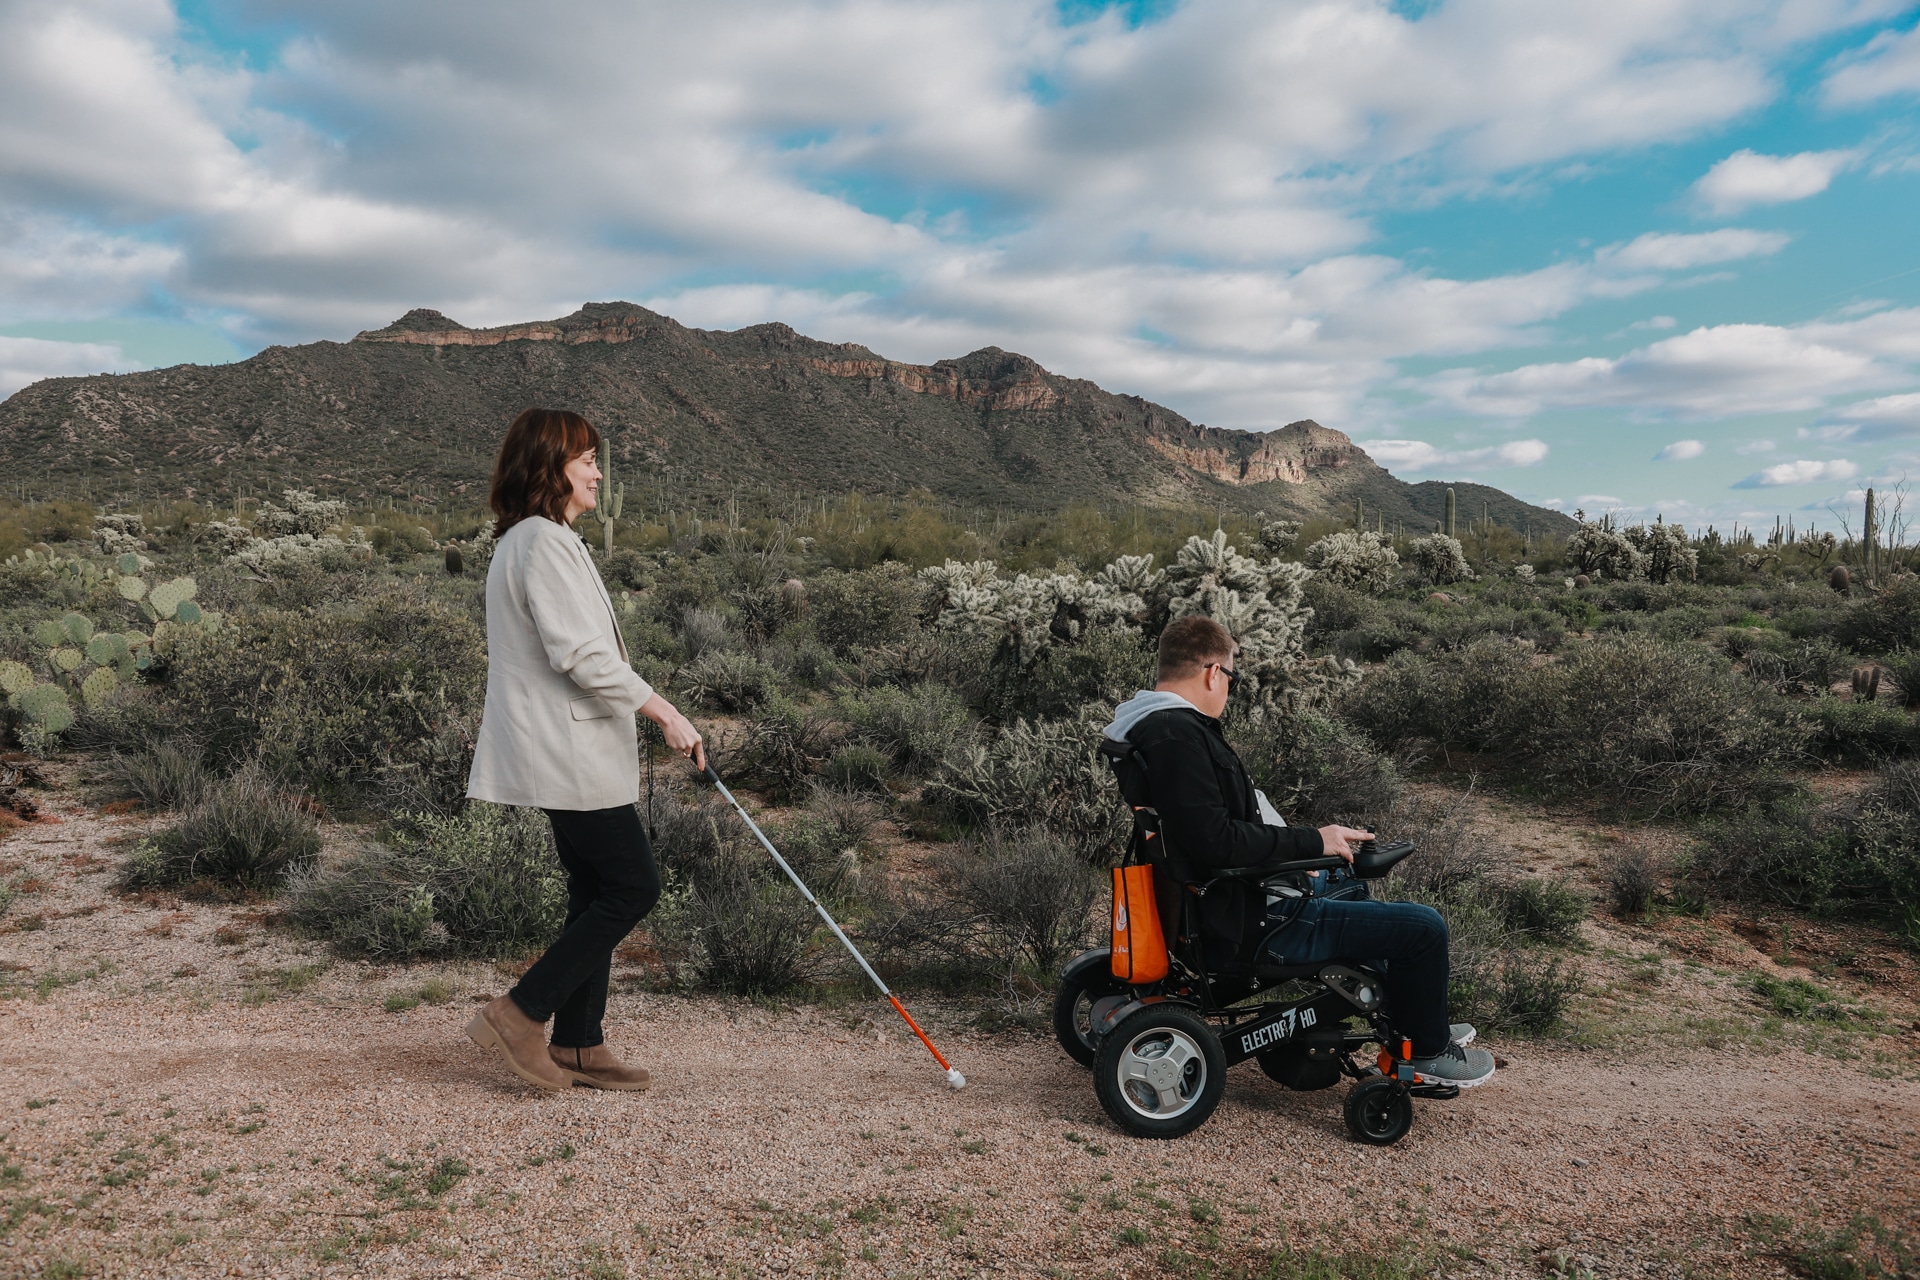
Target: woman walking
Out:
[558,732]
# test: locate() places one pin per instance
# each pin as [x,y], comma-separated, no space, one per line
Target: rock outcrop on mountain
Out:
[417,408]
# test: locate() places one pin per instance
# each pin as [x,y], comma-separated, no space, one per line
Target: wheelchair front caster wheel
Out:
[1379,1111]
[1160,1073]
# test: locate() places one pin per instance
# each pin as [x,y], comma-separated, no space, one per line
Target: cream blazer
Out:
[558,729]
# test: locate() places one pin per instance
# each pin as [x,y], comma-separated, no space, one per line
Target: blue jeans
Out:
[1408,942]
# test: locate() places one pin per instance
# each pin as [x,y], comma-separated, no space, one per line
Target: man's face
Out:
[1216,685]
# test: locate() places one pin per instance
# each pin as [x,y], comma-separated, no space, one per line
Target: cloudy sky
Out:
[1662,255]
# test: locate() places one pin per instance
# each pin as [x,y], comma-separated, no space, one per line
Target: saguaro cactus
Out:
[613,499]
[1450,514]
[1870,538]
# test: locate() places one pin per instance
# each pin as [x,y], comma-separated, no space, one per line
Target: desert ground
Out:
[190,1089]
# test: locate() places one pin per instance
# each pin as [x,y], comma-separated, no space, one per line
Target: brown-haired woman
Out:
[558,732]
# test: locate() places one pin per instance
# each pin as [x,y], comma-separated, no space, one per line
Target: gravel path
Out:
[185,1091]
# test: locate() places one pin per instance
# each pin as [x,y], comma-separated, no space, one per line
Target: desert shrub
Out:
[1797,666]
[167,775]
[1861,732]
[704,632]
[1455,699]
[483,883]
[1581,614]
[1318,768]
[1632,879]
[750,926]
[875,606]
[782,747]
[730,680]
[1686,622]
[1783,850]
[1355,558]
[859,766]
[1904,666]
[1027,894]
[917,727]
[345,700]
[806,663]
[1337,609]
[1546,908]
[1883,841]
[244,832]
[1045,771]
[1889,619]
[1531,993]
[849,814]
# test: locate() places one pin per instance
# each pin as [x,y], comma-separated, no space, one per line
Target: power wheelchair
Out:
[1160,1051]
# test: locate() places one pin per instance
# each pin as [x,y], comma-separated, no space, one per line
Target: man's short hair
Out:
[1190,643]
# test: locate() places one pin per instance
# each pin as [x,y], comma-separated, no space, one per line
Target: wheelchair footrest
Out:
[1441,1092]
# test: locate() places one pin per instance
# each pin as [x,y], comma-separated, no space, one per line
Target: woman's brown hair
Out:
[530,475]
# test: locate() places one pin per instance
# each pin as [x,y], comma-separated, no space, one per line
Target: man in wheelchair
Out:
[1211,818]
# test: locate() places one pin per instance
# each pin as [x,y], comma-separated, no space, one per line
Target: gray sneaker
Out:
[1456,1065]
[1461,1033]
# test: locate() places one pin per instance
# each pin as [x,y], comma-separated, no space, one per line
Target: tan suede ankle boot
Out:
[598,1068]
[502,1025]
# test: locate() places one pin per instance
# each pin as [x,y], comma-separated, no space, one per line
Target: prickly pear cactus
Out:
[15,677]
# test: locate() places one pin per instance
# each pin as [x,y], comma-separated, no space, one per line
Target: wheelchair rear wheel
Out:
[1160,1073]
[1088,992]
[1379,1111]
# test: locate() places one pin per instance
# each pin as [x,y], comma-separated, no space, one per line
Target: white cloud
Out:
[1804,471]
[1180,209]
[1871,419]
[1680,451]
[1747,178]
[1752,447]
[1889,64]
[1592,502]
[1661,251]
[1414,456]
[27,360]
[1713,371]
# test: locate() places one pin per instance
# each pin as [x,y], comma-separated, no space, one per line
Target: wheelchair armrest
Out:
[1273,869]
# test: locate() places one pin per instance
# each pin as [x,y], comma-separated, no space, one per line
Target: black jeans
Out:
[1407,941]
[611,885]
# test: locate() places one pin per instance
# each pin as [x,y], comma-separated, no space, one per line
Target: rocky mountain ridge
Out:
[416,408]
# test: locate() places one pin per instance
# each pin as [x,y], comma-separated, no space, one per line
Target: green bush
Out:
[1319,769]
[730,680]
[859,766]
[243,833]
[865,607]
[1883,838]
[752,929]
[167,775]
[1783,850]
[782,748]
[358,699]
[1798,666]
[1550,909]
[482,883]
[1455,700]
[1026,896]
[1861,732]
[1888,619]
[1048,772]
[1904,666]
[916,727]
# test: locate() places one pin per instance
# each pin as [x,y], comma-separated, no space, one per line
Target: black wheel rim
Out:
[1379,1112]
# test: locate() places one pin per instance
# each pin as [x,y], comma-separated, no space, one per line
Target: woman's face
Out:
[583,474]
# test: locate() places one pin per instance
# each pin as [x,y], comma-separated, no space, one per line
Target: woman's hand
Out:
[679,732]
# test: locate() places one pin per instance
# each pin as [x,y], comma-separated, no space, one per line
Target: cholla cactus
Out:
[1600,550]
[229,535]
[269,556]
[1439,559]
[1260,604]
[1029,612]
[1665,550]
[120,534]
[1277,536]
[303,513]
[479,548]
[1355,558]
[1525,573]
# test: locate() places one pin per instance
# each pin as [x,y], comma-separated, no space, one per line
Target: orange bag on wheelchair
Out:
[1139,948]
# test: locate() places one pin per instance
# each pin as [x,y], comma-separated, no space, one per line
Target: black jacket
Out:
[1210,822]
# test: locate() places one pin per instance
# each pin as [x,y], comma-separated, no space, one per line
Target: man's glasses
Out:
[1233,677]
